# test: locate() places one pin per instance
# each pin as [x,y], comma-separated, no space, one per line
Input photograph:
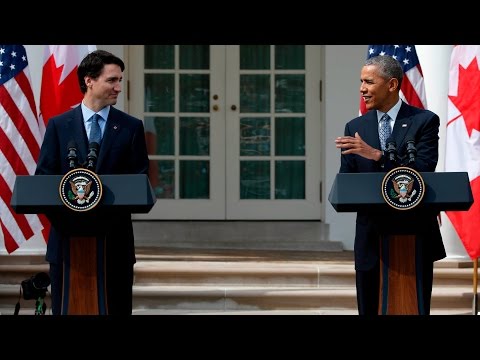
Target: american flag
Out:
[20,141]
[413,88]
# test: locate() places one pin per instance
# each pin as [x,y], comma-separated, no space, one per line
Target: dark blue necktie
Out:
[95,131]
[385,131]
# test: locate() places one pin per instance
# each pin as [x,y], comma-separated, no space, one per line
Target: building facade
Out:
[241,139]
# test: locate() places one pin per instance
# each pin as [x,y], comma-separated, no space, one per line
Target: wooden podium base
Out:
[400,276]
[84,277]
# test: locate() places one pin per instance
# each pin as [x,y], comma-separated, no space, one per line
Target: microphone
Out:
[411,150]
[92,155]
[72,154]
[391,150]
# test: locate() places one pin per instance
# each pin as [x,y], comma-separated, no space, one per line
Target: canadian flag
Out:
[463,138]
[60,90]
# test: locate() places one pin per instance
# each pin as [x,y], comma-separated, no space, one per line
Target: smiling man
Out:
[122,150]
[363,146]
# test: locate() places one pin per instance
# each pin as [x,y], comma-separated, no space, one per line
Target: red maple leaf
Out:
[467,100]
[57,97]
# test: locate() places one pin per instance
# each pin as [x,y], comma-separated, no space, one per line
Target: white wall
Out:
[342,98]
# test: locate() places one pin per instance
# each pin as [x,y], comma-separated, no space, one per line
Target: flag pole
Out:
[475,284]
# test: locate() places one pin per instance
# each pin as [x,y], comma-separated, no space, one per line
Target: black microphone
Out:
[391,150]
[72,154]
[92,155]
[411,150]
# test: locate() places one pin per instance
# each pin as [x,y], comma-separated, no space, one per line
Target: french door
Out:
[233,131]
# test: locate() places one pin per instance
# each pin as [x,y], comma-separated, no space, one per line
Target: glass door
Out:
[273,132]
[178,91]
[233,131]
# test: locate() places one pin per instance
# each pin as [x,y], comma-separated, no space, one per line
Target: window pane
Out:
[162,178]
[194,93]
[254,93]
[195,57]
[290,180]
[254,57]
[159,93]
[255,136]
[159,56]
[290,93]
[194,136]
[194,179]
[254,179]
[160,135]
[290,136]
[290,57]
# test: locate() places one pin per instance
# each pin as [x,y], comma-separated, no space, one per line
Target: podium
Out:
[399,257]
[85,279]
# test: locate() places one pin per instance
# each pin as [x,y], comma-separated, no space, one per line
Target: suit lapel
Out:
[371,131]
[112,128]
[403,123]
[76,129]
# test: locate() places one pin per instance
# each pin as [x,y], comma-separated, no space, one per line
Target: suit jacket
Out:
[422,126]
[122,151]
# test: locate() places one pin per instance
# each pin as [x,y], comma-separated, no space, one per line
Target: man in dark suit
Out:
[122,151]
[381,78]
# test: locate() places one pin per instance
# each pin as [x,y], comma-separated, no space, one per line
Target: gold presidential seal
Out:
[80,189]
[403,188]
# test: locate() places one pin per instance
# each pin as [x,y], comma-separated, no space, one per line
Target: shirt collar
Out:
[88,113]
[393,112]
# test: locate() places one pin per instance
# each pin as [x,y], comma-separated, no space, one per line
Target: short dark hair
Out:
[92,65]
[388,67]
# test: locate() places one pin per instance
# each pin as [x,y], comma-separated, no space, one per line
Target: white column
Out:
[435,62]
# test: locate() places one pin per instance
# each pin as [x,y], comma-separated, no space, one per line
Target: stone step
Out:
[219,281]
[15,274]
[241,274]
[150,312]
[457,299]
[266,274]
[211,298]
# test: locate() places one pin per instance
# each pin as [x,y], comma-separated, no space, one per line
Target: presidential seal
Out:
[80,189]
[403,188]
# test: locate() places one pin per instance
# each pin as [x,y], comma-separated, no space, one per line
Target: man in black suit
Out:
[122,151]
[381,78]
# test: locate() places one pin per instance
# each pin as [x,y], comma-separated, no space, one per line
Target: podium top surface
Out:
[353,192]
[40,194]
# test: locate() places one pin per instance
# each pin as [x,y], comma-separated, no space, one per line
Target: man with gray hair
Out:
[363,149]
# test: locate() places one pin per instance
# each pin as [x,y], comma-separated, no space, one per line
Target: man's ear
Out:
[394,84]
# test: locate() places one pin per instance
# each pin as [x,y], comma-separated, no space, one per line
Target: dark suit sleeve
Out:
[347,162]
[49,160]
[353,163]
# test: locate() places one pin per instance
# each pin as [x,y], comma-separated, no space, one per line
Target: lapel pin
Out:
[115,127]
[404,125]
